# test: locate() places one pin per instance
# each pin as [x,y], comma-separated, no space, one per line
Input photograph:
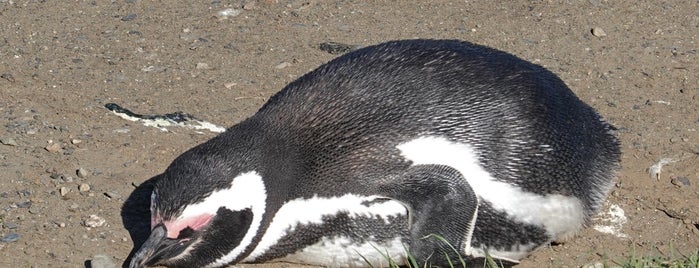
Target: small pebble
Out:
[102,261]
[75,141]
[337,48]
[9,238]
[94,221]
[112,195]
[282,65]
[24,204]
[597,31]
[8,77]
[53,148]
[8,141]
[24,193]
[64,190]
[128,17]
[203,66]
[594,265]
[81,172]
[11,225]
[57,176]
[84,187]
[228,13]
[680,181]
[230,85]
[136,33]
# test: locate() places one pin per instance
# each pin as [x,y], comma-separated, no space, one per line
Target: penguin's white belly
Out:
[336,250]
[343,252]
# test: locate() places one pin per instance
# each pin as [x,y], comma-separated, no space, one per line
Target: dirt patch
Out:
[62,61]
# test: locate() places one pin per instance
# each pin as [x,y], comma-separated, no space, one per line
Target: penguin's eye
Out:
[187,232]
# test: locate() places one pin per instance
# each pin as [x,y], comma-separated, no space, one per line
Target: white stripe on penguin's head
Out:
[247,191]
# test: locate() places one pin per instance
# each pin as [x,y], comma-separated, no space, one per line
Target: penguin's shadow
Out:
[135,215]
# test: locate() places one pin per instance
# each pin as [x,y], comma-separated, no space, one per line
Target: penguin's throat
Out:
[196,223]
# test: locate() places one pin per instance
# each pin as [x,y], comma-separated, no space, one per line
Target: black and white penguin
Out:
[408,146]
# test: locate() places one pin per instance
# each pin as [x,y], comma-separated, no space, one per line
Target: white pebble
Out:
[597,31]
[64,191]
[282,65]
[229,12]
[94,221]
[230,85]
[203,66]
[82,173]
[84,187]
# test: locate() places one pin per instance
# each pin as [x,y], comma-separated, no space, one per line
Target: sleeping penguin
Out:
[440,150]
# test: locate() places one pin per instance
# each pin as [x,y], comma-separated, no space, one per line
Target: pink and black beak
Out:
[158,248]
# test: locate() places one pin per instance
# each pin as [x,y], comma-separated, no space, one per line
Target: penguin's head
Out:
[203,213]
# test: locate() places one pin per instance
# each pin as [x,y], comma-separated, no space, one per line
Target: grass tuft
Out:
[412,262]
[688,261]
[634,261]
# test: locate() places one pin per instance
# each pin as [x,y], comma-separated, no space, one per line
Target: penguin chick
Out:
[445,148]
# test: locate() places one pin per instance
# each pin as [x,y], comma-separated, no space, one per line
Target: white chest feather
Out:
[336,250]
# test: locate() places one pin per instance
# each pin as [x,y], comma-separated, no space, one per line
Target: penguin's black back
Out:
[346,117]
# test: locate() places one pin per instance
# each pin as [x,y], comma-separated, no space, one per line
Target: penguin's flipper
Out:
[443,209]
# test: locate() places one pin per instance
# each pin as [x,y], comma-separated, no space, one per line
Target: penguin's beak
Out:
[157,248]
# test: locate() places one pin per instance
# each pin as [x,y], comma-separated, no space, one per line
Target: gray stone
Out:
[680,181]
[337,48]
[24,204]
[128,17]
[9,238]
[8,141]
[102,261]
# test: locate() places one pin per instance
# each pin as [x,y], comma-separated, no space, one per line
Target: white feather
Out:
[343,252]
[308,211]
[560,215]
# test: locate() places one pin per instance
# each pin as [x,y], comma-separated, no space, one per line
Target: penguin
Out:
[434,151]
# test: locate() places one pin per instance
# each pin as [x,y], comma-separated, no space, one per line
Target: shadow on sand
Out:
[135,215]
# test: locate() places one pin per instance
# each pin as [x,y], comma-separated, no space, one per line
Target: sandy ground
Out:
[62,61]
